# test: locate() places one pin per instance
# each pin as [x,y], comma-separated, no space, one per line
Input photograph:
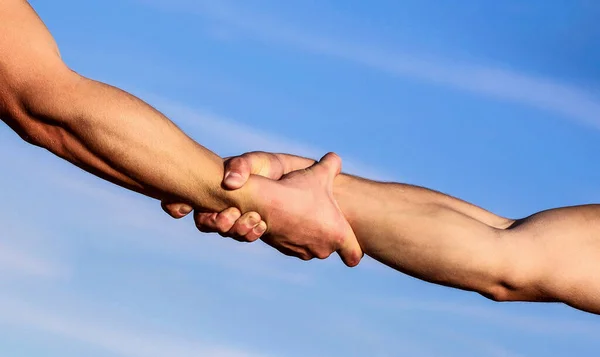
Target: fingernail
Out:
[233,178]
[261,228]
[185,210]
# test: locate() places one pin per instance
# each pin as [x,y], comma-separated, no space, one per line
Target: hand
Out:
[306,223]
[230,222]
[304,218]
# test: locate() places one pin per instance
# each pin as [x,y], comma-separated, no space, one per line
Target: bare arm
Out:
[97,127]
[551,256]
[118,137]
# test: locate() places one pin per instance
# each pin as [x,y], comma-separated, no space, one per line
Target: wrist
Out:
[246,198]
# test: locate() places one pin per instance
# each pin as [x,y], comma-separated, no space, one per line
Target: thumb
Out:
[350,251]
[237,172]
[239,168]
[327,168]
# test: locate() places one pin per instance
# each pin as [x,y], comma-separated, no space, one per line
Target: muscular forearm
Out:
[98,127]
[118,137]
[444,240]
[291,163]
[421,232]
[415,231]
[550,256]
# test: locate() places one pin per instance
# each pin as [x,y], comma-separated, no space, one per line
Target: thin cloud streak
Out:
[128,212]
[156,231]
[24,252]
[113,337]
[538,92]
[15,261]
[238,137]
[485,347]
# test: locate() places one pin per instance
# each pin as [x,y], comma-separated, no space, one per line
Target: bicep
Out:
[23,34]
[560,250]
[29,53]
[30,67]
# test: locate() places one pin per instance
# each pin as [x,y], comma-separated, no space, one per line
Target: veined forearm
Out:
[551,256]
[415,232]
[292,163]
[423,233]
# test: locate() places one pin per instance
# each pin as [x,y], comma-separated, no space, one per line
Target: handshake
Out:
[295,209]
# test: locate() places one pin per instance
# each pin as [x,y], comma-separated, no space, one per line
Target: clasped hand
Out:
[300,216]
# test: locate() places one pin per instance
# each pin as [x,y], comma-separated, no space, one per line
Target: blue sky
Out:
[494,102]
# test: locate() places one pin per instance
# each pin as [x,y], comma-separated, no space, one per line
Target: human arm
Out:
[549,256]
[118,137]
[97,127]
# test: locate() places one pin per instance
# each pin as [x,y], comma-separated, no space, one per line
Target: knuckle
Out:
[334,155]
[243,160]
[338,239]
[322,254]
[236,159]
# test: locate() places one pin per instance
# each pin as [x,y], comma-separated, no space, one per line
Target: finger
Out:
[237,172]
[206,222]
[176,210]
[239,169]
[328,168]
[226,219]
[350,250]
[257,232]
[245,224]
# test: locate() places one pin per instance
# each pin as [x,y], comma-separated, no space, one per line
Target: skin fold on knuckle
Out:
[321,251]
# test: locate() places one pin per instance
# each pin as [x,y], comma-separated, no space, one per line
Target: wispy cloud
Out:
[25,252]
[543,93]
[112,337]
[236,137]
[15,261]
[484,346]
[141,220]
